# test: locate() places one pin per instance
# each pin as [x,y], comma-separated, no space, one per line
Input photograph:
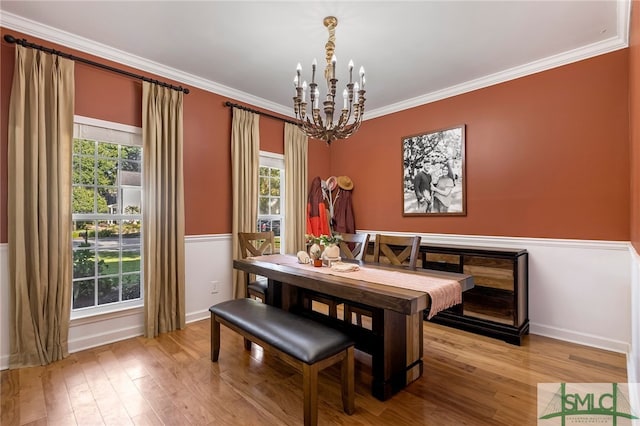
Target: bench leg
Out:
[310,391]
[348,381]
[215,338]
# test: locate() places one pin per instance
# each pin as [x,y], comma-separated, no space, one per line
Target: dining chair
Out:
[359,242]
[396,250]
[327,304]
[256,244]
[387,249]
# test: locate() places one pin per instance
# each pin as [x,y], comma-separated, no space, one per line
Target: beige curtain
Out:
[163,209]
[245,160]
[295,171]
[39,211]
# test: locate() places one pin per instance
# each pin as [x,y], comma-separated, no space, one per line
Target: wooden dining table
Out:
[395,339]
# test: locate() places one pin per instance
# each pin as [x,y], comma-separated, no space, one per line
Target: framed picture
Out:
[433,182]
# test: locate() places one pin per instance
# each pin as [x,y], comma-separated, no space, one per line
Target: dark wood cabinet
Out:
[498,304]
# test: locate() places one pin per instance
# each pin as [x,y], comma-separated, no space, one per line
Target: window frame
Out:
[121,134]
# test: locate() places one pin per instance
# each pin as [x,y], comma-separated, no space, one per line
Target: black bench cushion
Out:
[259,286]
[301,338]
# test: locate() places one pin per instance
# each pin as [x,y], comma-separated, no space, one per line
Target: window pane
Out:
[81,235]
[131,200]
[131,259]
[83,293]
[264,225]
[83,170]
[130,177]
[275,173]
[131,153]
[131,231]
[275,227]
[275,187]
[130,286]
[84,146]
[263,205]
[83,199]
[263,171]
[264,186]
[108,262]
[108,150]
[84,263]
[275,205]
[108,200]
[108,288]
[107,172]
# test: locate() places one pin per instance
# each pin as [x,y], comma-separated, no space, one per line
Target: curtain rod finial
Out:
[9,38]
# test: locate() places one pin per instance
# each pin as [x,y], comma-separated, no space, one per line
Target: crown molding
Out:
[57,36]
[545,64]
[621,41]
[54,35]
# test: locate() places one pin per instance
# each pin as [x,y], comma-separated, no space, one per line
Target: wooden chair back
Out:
[398,250]
[358,241]
[256,243]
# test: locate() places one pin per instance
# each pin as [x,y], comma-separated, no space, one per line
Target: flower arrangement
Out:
[327,240]
[323,240]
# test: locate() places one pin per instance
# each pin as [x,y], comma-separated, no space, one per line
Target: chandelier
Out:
[350,117]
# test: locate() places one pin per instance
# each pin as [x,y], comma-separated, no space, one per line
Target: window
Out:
[107,217]
[271,196]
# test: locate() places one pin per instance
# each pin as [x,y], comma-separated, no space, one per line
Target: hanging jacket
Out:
[317,212]
[343,220]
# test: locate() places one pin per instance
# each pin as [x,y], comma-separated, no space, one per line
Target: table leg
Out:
[397,357]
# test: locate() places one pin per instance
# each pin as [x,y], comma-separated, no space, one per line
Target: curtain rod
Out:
[23,42]
[242,107]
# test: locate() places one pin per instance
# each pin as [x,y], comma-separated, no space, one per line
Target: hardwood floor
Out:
[468,380]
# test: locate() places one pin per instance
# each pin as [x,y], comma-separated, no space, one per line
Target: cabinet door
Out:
[493,297]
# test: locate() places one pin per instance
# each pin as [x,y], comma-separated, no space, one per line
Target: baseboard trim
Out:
[580,338]
[100,339]
[197,316]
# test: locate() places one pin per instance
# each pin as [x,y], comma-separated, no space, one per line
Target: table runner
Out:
[444,293]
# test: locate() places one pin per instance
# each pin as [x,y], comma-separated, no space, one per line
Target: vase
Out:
[315,251]
[332,251]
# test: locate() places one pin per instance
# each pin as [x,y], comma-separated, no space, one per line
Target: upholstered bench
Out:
[305,344]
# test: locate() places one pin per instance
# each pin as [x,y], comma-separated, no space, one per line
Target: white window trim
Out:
[126,135]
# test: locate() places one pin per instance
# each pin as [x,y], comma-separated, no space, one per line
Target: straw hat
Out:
[345,183]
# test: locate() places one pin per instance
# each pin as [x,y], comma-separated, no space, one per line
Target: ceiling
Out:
[414,52]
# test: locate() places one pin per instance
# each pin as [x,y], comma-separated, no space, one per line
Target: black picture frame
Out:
[433,166]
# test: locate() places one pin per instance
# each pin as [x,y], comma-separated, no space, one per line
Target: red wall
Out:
[634,114]
[207,131]
[547,155]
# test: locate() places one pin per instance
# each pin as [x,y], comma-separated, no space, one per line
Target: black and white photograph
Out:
[433,173]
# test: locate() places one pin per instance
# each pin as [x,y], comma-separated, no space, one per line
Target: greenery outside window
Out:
[107,217]
[271,197]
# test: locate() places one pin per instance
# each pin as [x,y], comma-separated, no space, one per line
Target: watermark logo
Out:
[585,404]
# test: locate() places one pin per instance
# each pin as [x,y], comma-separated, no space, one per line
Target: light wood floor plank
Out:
[170,380]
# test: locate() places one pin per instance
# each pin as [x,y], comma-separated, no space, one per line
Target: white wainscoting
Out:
[581,291]
[4,306]
[207,259]
[633,358]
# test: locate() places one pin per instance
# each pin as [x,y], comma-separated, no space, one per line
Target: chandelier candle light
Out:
[353,97]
